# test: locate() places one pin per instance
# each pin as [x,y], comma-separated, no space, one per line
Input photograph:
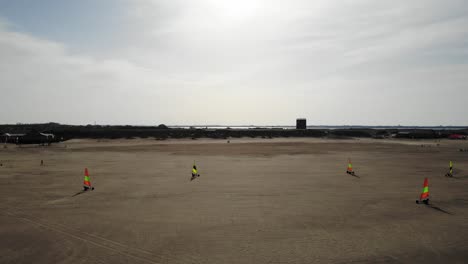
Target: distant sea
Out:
[320,127]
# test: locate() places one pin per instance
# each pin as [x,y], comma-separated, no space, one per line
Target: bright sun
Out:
[235,9]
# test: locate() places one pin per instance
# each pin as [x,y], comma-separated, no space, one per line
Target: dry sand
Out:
[257,201]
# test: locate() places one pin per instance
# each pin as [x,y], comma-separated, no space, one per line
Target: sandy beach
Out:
[257,201]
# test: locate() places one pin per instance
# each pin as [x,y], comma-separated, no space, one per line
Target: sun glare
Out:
[235,10]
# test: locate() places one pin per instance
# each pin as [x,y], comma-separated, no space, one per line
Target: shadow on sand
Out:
[78,193]
[439,209]
[353,174]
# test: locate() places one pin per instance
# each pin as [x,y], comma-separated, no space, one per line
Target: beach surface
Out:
[256,201]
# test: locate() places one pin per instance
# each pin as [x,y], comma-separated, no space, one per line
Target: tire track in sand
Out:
[133,253]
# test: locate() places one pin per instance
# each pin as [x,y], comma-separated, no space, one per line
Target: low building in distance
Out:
[301,123]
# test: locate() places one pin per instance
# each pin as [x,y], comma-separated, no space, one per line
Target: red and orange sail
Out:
[86,182]
[425,191]
[350,166]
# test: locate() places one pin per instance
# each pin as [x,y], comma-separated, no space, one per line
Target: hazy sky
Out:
[262,62]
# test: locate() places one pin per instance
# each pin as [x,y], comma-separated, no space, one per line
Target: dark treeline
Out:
[65,132]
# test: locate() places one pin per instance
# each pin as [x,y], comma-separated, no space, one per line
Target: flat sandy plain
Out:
[257,201]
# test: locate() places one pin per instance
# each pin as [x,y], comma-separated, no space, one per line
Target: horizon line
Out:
[222,125]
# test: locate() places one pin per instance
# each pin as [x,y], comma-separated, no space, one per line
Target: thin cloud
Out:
[249,62]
